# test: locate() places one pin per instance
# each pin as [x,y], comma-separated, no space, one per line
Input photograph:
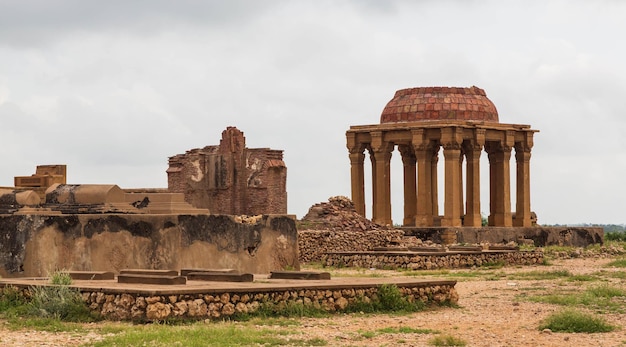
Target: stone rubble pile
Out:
[335,226]
[339,214]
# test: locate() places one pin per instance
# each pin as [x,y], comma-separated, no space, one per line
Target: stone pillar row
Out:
[420,159]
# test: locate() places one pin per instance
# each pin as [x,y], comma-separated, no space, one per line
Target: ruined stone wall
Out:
[313,244]
[231,178]
[35,245]
[425,261]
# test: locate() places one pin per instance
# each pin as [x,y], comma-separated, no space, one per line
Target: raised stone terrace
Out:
[200,299]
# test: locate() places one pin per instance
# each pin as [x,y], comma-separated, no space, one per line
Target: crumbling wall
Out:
[335,226]
[34,245]
[231,178]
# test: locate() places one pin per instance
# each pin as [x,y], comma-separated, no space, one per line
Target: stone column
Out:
[472,192]
[357,174]
[382,184]
[522,158]
[473,150]
[357,181]
[461,202]
[410,186]
[434,160]
[423,154]
[451,140]
[500,177]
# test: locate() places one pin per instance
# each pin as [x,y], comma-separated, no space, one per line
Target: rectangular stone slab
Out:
[426,249]
[148,279]
[91,275]
[299,275]
[391,249]
[465,248]
[185,272]
[149,272]
[220,277]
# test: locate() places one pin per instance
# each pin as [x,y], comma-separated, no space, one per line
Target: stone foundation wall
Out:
[312,244]
[540,236]
[426,261]
[118,305]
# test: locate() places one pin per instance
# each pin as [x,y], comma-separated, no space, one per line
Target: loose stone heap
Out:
[335,226]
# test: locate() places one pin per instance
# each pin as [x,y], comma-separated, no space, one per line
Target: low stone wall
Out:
[540,236]
[312,244]
[116,304]
[427,261]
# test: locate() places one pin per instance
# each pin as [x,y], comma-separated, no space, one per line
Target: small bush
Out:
[446,340]
[59,302]
[61,278]
[572,321]
[615,236]
[388,299]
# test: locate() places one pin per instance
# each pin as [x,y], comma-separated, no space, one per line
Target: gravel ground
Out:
[490,313]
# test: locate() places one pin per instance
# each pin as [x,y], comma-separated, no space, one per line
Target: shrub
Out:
[572,321]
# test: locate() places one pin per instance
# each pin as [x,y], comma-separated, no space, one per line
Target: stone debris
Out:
[338,214]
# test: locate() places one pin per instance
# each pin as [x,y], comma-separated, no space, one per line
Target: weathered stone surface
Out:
[158,311]
[32,244]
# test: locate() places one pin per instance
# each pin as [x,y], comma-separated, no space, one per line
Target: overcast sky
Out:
[114,88]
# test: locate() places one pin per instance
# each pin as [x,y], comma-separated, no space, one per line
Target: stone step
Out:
[149,279]
[465,248]
[91,275]
[426,249]
[149,272]
[503,248]
[185,272]
[390,249]
[299,275]
[220,277]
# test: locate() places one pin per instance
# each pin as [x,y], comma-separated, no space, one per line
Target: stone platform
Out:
[215,300]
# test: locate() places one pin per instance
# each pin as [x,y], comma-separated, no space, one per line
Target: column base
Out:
[424,221]
[473,221]
[502,220]
[451,222]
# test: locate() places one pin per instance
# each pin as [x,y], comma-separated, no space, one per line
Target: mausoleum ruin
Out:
[231,178]
[462,121]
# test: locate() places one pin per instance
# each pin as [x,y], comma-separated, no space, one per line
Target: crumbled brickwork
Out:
[230,178]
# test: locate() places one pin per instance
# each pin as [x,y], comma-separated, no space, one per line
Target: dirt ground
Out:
[491,312]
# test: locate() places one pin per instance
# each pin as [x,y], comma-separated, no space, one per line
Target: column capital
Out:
[408,154]
[451,138]
[378,144]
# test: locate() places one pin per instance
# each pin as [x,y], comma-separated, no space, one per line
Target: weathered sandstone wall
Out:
[35,245]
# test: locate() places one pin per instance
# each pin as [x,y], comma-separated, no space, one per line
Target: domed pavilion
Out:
[462,121]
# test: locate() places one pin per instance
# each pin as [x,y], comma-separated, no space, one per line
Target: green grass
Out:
[583,278]
[388,300]
[200,334]
[601,298]
[399,330]
[572,321]
[617,263]
[540,275]
[446,340]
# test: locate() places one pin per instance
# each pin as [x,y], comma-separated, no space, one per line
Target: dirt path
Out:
[490,314]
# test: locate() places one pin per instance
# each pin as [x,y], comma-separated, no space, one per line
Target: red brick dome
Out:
[439,103]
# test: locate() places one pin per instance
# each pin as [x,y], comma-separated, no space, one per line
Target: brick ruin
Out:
[230,178]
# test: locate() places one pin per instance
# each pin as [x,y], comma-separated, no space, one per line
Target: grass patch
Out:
[582,278]
[571,321]
[388,300]
[601,298]
[617,263]
[399,330]
[540,275]
[200,334]
[446,340]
